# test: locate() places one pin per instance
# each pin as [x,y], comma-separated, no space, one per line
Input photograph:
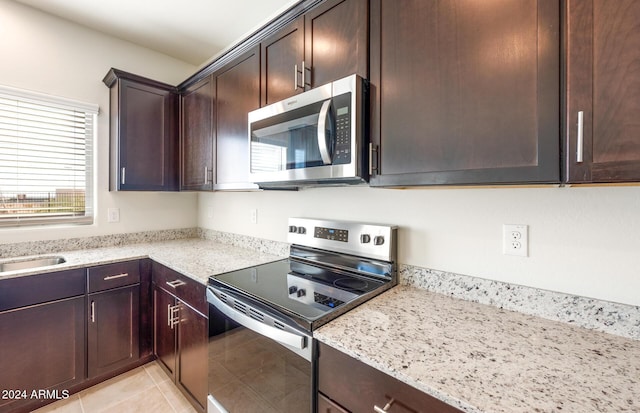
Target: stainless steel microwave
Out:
[314,138]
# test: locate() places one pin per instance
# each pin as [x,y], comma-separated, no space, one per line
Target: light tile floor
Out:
[144,389]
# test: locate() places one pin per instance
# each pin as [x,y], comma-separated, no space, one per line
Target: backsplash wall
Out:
[582,240]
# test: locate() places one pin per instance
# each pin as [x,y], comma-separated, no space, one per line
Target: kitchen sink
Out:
[31,263]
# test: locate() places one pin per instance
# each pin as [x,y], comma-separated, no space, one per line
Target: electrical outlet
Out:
[113,215]
[254,216]
[515,240]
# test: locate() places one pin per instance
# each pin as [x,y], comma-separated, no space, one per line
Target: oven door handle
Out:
[283,337]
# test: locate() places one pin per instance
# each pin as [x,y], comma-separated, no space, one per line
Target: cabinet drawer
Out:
[36,289]
[186,289]
[119,274]
[357,386]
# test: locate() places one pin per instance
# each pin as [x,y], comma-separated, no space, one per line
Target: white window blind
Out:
[46,159]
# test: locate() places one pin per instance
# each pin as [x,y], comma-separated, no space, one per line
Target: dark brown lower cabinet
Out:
[192,355]
[113,316]
[113,326]
[181,345]
[327,406]
[164,338]
[348,385]
[42,348]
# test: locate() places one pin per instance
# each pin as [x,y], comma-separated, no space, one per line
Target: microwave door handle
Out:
[273,333]
[322,133]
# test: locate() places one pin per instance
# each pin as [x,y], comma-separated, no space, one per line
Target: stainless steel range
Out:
[261,319]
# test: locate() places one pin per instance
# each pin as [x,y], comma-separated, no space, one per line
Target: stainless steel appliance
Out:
[316,137]
[261,319]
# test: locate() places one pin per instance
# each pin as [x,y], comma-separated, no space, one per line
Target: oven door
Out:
[257,361]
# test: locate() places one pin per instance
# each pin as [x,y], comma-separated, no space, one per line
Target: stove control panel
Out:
[367,240]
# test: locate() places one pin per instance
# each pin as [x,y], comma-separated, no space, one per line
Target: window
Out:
[46,159]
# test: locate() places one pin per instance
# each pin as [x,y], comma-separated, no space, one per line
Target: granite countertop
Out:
[194,257]
[475,357]
[480,358]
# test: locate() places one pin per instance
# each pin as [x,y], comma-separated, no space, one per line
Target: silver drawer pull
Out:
[175,283]
[386,407]
[93,311]
[113,277]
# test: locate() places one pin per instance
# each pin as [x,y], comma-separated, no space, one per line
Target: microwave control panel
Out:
[342,148]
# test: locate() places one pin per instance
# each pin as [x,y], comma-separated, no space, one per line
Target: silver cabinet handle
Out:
[372,148]
[385,409]
[113,277]
[295,77]
[304,83]
[322,133]
[580,138]
[123,174]
[173,315]
[176,283]
[93,311]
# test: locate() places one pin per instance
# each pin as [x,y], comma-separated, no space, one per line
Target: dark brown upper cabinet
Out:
[237,93]
[144,133]
[603,74]
[465,92]
[327,43]
[196,137]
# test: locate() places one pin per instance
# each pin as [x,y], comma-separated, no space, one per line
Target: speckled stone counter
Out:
[194,257]
[480,358]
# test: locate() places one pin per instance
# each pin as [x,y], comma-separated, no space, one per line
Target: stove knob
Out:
[301,293]
[378,240]
[293,289]
[365,238]
[302,230]
[293,228]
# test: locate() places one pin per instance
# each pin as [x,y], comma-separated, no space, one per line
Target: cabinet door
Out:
[113,332]
[43,347]
[143,133]
[281,67]
[192,373]
[164,336]
[197,136]
[327,406]
[603,78]
[465,92]
[238,93]
[337,40]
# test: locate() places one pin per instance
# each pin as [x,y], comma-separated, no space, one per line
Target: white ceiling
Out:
[189,30]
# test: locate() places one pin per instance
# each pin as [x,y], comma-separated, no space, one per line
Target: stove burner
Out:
[351,283]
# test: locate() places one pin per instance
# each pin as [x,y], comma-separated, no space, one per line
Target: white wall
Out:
[50,55]
[582,240]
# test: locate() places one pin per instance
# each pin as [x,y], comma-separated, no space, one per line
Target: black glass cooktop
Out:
[305,290]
